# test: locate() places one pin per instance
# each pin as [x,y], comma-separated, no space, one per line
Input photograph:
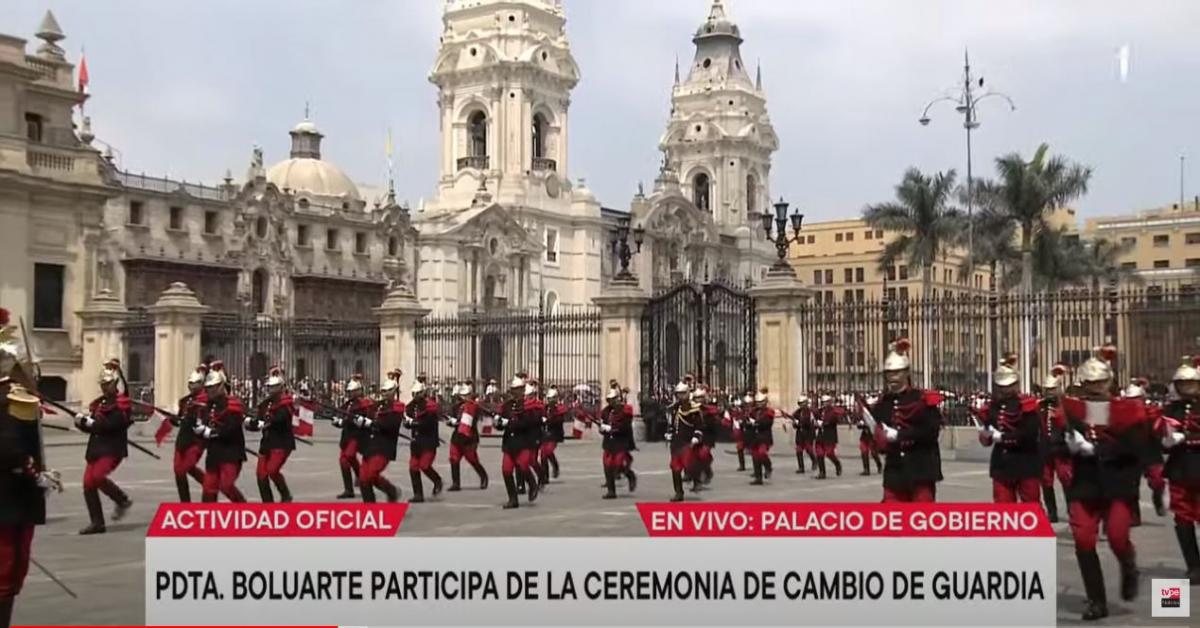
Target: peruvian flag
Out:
[164,427]
[84,79]
[486,426]
[582,422]
[302,421]
[465,422]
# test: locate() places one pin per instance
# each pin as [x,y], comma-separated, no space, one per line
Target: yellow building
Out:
[1165,242]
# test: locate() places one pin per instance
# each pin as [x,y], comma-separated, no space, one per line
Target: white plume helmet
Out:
[802,401]
[826,398]
[1006,374]
[355,383]
[551,393]
[216,375]
[275,377]
[682,387]
[530,390]
[1054,380]
[699,393]
[737,402]
[391,383]
[417,388]
[1189,371]
[109,373]
[517,382]
[1136,389]
[748,399]
[897,358]
[613,393]
[760,396]
[1097,367]
[197,376]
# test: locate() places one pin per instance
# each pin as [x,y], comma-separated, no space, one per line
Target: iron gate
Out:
[706,330]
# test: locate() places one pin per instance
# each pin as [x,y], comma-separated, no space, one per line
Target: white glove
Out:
[198,429]
[452,422]
[409,423]
[338,422]
[753,421]
[985,436]
[50,480]
[207,433]
[669,435]
[695,441]
[1077,444]
[362,421]
[997,435]
[80,417]
[251,423]
[545,420]
[891,434]
[1172,438]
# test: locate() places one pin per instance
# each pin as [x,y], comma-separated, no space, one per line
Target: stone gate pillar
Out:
[102,339]
[398,316]
[781,368]
[621,308]
[176,341]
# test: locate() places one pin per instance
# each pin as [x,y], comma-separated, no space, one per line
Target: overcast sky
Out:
[186,88]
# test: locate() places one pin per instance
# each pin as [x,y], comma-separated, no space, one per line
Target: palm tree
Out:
[1102,263]
[1026,191]
[923,219]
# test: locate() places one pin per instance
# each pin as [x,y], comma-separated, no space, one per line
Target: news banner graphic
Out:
[700,564]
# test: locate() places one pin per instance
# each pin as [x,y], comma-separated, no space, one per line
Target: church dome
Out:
[306,172]
[581,193]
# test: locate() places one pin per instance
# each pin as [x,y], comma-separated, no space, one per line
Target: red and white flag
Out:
[84,78]
[578,427]
[465,422]
[303,420]
[164,427]
[486,426]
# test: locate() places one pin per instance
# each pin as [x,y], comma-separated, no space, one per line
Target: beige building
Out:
[1165,242]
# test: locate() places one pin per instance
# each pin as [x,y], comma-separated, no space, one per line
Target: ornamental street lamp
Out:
[620,246]
[781,239]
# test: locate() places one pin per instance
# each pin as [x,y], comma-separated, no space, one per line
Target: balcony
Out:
[478,162]
[46,160]
[46,70]
[542,164]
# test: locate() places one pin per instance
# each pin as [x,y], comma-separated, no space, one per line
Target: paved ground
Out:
[107,571]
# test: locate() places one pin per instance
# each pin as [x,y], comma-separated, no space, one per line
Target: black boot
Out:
[837,466]
[368,494]
[741,460]
[812,459]
[1129,577]
[554,466]
[1093,584]
[6,610]
[767,467]
[436,478]
[758,472]
[483,477]
[1136,507]
[800,462]
[264,491]
[510,487]
[1157,498]
[866,465]
[418,488]
[390,490]
[632,478]
[611,483]
[347,485]
[122,501]
[878,462]
[544,472]
[532,483]
[91,498]
[520,479]
[285,494]
[821,468]
[454,478]
[185,489]
[677,483]
[1191,550]
[1050,502]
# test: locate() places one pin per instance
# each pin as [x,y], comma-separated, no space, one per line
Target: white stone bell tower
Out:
[719,138]
[504,76]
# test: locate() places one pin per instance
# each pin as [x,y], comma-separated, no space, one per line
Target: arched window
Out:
[477,126]
[700,191]
[751,194]
[539,136]
[393,246]
[260,228]
[259,291]
[551,306]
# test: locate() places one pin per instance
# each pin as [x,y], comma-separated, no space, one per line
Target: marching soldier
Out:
[384,431]
[1010,427]
[908,424]
[1152,452]
[1181,438]
[710,421]
[828,419]
[803,425]
[107,424]
[464,442]
[1103,437]
[423,421]
[520,418]
[188,447]
[733,421]
[867,448]
[353,437]
[274,420]
[22,490]
[556,414]
[1056,461]
[616,425]
[685,435]
[225,442]
[759,437]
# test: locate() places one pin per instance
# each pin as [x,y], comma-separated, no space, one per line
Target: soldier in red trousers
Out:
[274,420]
[520,417]
[225,442]
[733,422]
[107,424]
[759,431]
[711,421]
[684,435]
[804,424]
[1103,435]
[1181,439]
[384,431]
[423,420]
[1056,461]
[616,425]
[23,483]
[908,422]
[1152,451]
[464,442]
[829,417]
[188,447]
[1010,427]
[552,435]
[350,445]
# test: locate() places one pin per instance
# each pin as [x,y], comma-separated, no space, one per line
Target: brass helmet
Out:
[1054,380]
[1189,371]
[897,358]
[1006,373]
[1098,368]
[22,405]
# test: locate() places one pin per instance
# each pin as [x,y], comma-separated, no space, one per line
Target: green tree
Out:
[925,223]
[1102,263]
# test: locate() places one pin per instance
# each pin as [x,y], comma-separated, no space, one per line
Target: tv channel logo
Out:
[1170,598]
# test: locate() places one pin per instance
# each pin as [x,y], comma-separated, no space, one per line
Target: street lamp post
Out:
[620,245]
[781,238]
[966,100]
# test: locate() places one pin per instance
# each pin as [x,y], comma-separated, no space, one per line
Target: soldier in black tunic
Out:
[1181,439]
[909,421]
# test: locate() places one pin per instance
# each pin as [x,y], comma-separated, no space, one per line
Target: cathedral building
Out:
[509,225]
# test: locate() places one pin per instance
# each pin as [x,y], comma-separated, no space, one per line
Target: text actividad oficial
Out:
[601,585]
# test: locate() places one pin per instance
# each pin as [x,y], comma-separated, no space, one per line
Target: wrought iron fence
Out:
[559,347]
[317,356]
[138,331]
[959,339]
